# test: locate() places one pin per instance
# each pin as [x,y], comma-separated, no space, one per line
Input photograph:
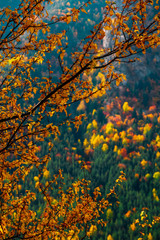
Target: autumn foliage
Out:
[34,104]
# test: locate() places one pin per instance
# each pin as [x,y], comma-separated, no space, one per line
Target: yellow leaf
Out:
[83,10]
[46,174]
[68,19]
[8,11]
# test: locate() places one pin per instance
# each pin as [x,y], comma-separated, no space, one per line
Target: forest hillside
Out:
[79,120]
